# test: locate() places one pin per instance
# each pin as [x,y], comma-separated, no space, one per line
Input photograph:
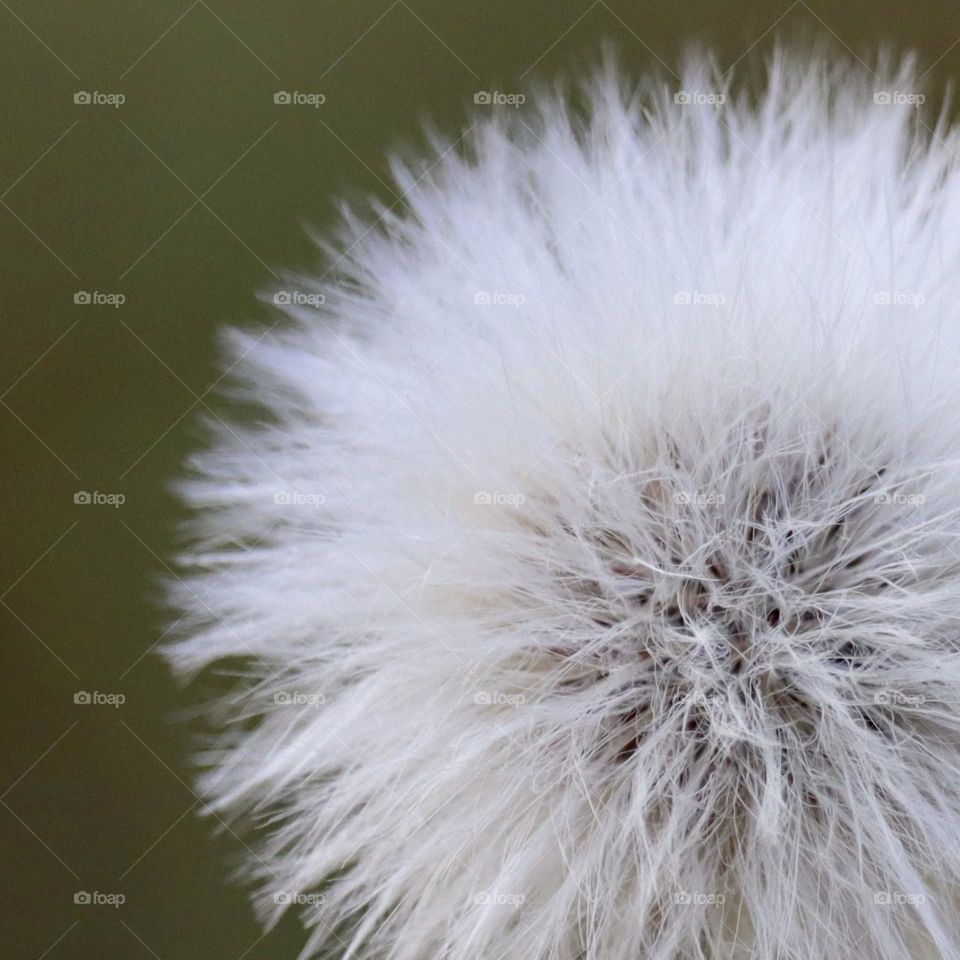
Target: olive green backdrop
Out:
[183,201]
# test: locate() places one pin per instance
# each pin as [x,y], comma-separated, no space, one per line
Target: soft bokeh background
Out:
[187,200]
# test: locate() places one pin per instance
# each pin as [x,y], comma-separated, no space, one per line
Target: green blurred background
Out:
[187,200]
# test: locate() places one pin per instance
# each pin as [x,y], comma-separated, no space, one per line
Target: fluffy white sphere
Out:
[594,558]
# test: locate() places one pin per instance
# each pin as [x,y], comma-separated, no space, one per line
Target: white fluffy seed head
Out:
[595,559]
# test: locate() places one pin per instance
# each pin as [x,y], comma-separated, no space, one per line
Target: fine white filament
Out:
[590,568]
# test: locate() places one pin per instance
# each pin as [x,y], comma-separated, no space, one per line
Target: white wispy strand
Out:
[594,557]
